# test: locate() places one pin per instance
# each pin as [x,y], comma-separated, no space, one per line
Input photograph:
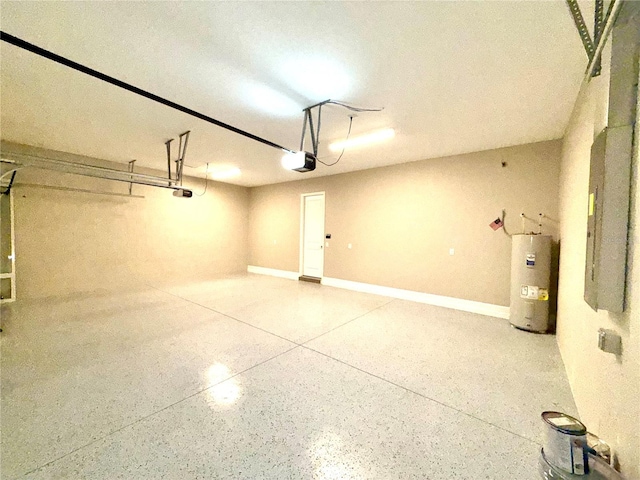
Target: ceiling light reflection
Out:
[224,391]
[317,78]
[332,461]
[217,373]
[271,101]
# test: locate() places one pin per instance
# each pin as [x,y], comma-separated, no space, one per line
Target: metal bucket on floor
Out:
[565,443]
[598,470]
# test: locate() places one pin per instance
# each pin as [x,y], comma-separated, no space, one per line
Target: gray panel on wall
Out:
[594,220]
[610,172]
[609,187]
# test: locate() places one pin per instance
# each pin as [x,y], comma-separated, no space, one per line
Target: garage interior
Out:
[155,240]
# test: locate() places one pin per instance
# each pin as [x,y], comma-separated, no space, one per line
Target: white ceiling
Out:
[453,77]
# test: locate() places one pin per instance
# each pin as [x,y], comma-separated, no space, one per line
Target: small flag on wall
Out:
[496,224]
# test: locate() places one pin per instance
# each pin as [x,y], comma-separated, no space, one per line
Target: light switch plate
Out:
[609,341]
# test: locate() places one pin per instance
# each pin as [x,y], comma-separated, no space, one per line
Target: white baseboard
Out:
[449,302]
[438,300]
[273,272]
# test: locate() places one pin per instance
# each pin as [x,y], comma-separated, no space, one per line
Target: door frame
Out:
[12,275]
[302,211]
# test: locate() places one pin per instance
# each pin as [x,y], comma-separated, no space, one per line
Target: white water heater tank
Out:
[530,277]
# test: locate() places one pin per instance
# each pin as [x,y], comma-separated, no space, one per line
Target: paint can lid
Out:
[564,423]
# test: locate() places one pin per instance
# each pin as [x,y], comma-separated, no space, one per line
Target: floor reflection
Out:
[224,391]
[333,460]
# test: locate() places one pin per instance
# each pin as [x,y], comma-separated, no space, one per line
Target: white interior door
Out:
[313,235]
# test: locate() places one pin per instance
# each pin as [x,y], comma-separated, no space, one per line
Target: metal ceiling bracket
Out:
[17,160]
[315,132]
[593,69]
[574,8]
[315,148]
[601,29]
[13,177]
[304,131]
[131,164]
[182,152]
[168,145]
[614,6]
[597,33]
[314,139]
[597,21]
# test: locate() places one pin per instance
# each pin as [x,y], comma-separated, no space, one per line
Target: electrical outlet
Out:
[609,341]
[451,251]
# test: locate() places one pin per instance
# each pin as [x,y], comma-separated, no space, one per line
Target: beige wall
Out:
[402,220]
[606,389]
[70,242]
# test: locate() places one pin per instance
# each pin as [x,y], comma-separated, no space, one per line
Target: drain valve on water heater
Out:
[609,341]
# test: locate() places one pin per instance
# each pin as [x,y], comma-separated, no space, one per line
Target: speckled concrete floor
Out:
[255,377]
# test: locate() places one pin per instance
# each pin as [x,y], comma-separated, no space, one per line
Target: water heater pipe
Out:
[540,215]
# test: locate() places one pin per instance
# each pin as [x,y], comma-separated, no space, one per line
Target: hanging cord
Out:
[343,148]
[348,106]
[354,109]
[206,182]
[523,217]
[504,228]
[9,172]
[13,177]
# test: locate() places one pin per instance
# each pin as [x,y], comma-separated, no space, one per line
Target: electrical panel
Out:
[594,222]
[610,172]
[608,218]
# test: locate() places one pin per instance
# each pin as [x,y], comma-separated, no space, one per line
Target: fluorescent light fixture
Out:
[299,161]
[373,137]
[225,173]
